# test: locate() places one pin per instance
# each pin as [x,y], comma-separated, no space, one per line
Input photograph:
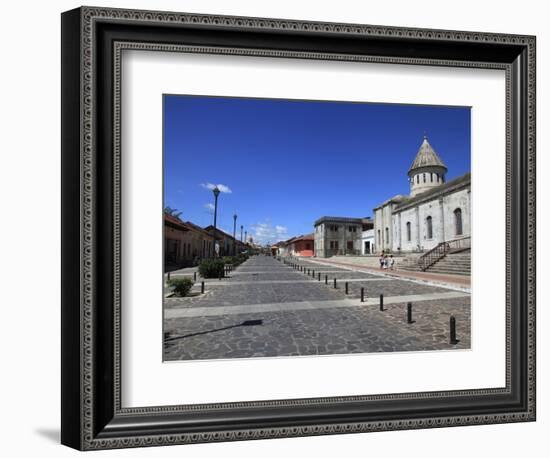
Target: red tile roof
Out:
[175,222]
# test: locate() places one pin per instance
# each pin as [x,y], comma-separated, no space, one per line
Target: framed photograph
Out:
[277,228]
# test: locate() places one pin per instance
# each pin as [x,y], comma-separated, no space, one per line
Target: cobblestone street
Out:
[268,308]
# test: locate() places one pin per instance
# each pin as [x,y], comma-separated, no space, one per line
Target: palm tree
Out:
[172,212]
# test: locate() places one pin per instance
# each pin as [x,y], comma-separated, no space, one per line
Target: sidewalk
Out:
[460,281]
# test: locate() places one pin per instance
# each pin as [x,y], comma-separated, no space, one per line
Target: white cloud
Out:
[263,233]
[209,207]
[223,188]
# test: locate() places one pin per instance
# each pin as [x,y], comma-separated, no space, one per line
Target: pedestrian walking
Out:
[392,261]
[385,261]
[381,261]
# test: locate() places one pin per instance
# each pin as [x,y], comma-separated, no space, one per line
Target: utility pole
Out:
[234,233]
[216,192]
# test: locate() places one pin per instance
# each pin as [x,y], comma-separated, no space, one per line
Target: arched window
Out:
[458,221]
[387,236]
[417,179]
[431,177]
[429,229]
[379,240]
[437,177]
[408,231]
[424,177]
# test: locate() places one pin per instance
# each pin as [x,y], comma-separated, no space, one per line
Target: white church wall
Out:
[378,229]
[443,224]
[408,216]
[459,199]
[425,210]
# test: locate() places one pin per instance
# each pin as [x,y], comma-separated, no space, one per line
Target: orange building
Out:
[301,245]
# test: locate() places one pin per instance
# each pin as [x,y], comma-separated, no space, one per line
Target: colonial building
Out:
[336,235]
[229,246]
[201,242]
[436,211]
[177,250]
[301,245]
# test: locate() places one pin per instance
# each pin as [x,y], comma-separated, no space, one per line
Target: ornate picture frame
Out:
[92,413]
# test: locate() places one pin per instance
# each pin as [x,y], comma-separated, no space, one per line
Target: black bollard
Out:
[410,313]
[308,272]
[381,302]
[168,276]
[335,283]
[346,287]
[313,273]
[194,276]
[202,287]
[326,279]
[319,276]
[453,340]
[362,294]
[220,274]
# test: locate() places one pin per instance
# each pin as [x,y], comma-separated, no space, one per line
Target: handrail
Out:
[441,250]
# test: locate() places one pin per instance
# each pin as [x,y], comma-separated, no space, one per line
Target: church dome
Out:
[426,158]
[427,170]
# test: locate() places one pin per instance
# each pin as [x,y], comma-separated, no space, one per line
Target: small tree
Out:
[212,268]
[182,286]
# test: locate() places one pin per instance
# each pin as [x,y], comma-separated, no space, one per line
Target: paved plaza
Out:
[268,307]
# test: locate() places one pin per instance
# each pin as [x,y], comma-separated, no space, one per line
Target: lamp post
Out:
[234,233]
[216,192]
[241,233]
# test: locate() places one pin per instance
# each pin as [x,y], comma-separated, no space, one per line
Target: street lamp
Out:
[241,233]
[216,192]
[234,233]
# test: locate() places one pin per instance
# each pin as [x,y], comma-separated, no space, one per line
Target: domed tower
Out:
[427,171]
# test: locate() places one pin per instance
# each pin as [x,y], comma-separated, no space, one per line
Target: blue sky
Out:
[285,163]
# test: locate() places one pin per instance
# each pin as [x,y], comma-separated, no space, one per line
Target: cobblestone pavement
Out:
[317,319]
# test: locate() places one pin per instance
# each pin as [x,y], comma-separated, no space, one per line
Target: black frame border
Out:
[92,39]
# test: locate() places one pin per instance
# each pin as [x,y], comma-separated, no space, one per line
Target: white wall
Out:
[29,186]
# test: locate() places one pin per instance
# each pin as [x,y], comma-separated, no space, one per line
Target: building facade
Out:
[201,242]
[335,236]
[228,246]
[367,242]
[436,211]
[301,246]
[177,251]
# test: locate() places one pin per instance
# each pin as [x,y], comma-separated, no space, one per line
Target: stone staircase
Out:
[452,263]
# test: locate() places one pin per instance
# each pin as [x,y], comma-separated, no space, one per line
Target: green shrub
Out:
[228,260]
[242,257]
[182,286]
[212,268]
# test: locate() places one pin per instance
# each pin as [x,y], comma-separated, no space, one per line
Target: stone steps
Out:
[455,264]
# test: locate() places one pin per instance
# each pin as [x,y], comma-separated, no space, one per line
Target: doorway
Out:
[367,247]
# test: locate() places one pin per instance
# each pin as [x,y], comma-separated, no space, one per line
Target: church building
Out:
[435,211]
